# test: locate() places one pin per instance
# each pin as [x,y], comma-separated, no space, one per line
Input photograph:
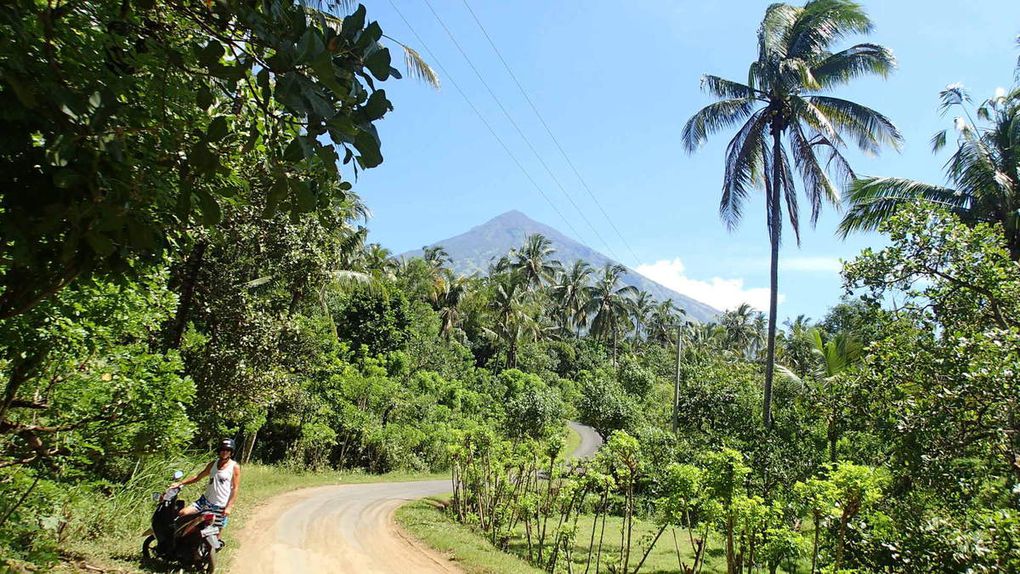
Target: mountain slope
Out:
[473,251]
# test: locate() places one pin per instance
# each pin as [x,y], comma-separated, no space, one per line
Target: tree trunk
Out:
[249,446]
[774,232]
[187,293]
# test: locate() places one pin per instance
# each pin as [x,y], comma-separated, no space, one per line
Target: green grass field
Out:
[426,520]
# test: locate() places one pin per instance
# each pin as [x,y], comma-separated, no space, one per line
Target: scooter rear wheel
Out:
[147,547]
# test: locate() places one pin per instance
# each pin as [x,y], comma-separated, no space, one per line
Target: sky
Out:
[614,83]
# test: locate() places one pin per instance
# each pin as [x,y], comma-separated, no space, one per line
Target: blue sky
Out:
[616,82]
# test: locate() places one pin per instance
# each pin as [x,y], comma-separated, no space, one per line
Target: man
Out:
[224,480]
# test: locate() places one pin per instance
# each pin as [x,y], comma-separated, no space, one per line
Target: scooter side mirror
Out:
[178,474]
[156,496]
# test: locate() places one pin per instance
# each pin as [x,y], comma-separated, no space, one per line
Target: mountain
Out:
[473,251]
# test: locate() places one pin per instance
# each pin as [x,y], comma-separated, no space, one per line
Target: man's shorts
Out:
[202,505]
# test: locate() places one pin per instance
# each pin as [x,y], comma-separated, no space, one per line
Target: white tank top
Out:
[221,482]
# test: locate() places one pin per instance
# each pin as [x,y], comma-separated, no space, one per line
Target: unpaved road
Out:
[348,528]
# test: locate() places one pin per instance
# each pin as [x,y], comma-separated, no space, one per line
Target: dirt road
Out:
[348,528]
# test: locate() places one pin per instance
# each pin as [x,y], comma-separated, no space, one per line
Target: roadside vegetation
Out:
[184,258]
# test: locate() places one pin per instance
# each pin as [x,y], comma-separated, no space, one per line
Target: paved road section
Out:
[348,528]
[590,441]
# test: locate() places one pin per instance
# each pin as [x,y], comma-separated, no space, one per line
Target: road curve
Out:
[348,528]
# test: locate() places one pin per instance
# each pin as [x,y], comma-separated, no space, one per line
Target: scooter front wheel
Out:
[147,547]
[209,563]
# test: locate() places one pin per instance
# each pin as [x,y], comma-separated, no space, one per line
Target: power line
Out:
[556,141]
[449,77]
[520,132]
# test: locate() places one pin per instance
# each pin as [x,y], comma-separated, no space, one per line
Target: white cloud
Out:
[718,292]
[811,264]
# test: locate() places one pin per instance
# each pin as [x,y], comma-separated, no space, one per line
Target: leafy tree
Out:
[782,97]
[604,404]
[124,123]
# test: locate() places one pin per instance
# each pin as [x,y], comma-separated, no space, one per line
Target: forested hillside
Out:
[476,249]
[184,259]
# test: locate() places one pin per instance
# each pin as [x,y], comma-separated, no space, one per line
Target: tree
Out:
[983,172]
[532,261]
[641,310]
[571,295]
[740,330]
[666,318]
[124,122]
[782,98]
[608,305]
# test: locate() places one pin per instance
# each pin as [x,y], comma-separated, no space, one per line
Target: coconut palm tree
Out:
[984,172]
[608,305]
[665,318]
[641,311]
[437,257]
[741,330]
[571,294]
[509,315]
[831,356]
[783,99]
[446,297]
[533,261]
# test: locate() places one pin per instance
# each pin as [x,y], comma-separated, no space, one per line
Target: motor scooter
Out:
[191,541]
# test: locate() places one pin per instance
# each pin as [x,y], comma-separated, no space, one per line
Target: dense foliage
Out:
[184,259]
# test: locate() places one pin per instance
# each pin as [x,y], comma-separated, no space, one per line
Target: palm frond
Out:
[418,68]
[790,196]
[869,128]
[952,95]
[774,32]
[938,141]
[723,88]
[809,113]
[822,22]
[712,118]
[744,167]
[817,185]
[854,62]
[872,200]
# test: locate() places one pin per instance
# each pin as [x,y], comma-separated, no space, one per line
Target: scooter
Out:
[191,541]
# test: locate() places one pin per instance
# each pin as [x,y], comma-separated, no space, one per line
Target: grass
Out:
[573,441]
[118,549]
[424,520]
[428,521]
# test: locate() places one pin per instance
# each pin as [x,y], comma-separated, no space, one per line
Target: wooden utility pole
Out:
[676,384]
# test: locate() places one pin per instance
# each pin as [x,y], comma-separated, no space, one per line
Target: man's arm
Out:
[194,479]
[235,485]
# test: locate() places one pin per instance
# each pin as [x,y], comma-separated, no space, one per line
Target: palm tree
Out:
[608,305]
[983,173]
[741,330]
[379,260]
[664,320]
[446,297]
[782,98]
[437,257]
[571,295]
[533,261]
[830,358]
[641,310]
[510,317]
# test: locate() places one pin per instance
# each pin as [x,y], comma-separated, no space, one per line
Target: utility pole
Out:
[676,385]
